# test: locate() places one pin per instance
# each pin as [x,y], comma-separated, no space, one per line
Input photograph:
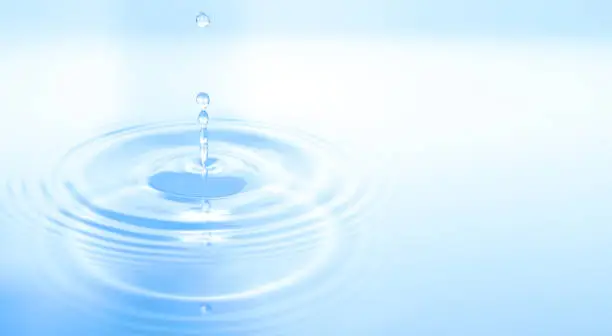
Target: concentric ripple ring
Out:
[139,216]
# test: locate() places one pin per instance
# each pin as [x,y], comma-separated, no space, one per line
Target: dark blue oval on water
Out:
[185,186]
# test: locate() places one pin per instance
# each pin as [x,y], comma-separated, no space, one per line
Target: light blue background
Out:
[488,124]
[566,18]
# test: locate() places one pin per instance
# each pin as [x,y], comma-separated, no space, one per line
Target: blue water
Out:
[290,235]
[135,239]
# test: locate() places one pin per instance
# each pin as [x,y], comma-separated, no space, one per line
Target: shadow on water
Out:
[185,186]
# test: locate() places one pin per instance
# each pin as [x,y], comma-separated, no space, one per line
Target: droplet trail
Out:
[203,152]
[203,119]
[203,100]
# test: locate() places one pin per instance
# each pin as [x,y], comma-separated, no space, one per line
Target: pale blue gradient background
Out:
[490,123]
[565,18]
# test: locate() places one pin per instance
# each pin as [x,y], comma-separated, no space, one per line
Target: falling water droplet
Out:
[203,100]
[202,20]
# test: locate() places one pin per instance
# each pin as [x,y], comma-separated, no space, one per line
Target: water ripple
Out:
[272,224]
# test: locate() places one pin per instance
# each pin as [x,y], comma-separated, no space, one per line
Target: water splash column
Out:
[203,100]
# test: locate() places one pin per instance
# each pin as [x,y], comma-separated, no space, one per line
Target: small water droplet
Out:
[203,121]
[202,20]
[205,309]
[203,100]
[206,206]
